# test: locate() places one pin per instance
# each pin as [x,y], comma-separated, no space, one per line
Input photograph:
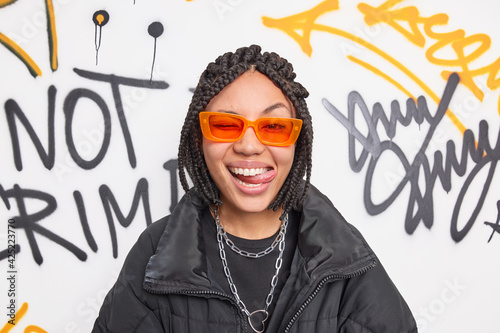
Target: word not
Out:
[13,110]
[420,205]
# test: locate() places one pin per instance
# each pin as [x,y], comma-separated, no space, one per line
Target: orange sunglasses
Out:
[227,127]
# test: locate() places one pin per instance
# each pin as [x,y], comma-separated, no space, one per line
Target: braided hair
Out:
[216,76]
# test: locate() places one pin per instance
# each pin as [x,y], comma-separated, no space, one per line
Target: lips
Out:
[252,177]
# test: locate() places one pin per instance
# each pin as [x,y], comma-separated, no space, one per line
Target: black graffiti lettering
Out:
[109,203]
[172,166]
[47,155]
[69,111]
[28,222]
[495,226]
[420,203]
[84,221]
[5,253]
[115,82]
[419,206]
[483,155]
[12,110]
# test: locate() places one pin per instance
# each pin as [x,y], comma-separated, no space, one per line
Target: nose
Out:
[249,144]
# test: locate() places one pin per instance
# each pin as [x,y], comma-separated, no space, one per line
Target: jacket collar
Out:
[327,243]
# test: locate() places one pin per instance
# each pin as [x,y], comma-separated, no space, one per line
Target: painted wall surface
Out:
[93,95]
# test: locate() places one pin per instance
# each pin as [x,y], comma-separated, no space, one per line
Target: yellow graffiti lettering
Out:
[21,54]
[378,72]
[51,28]
[34,329]
[15,321]
[410,15]
[306,22]
[303,21]
[52,37]
[4,3]
[481,42]
[18,316]
[455,39]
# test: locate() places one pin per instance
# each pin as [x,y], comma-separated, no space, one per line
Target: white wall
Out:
[63,270]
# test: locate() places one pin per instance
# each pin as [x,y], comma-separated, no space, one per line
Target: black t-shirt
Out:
[252,277]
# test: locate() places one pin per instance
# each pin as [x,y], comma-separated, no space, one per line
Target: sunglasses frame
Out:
[207,133]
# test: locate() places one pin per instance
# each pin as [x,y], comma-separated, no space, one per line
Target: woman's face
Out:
[248,173]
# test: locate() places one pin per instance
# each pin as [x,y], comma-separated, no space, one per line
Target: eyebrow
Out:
[275,106]
[267,110]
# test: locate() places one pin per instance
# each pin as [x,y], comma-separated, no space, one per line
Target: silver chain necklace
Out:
[274,281]
[247,254]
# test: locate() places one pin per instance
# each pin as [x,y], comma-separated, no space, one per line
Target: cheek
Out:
[209,153]
[214,153]
[283,156]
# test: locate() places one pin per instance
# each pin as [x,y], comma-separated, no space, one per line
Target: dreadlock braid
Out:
[218,75]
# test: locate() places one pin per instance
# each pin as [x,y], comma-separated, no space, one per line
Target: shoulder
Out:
[146,245]
[318,206]
[152,234]
[127,305]
[326,237]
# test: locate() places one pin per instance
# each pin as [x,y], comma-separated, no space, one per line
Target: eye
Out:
[225,123]
[223,126]
[274,126]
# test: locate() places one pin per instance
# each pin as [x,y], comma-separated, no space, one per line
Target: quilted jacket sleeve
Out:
[126,306]
[375,305]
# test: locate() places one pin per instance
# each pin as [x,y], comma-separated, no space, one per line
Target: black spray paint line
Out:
[155,30]
[28,222]
[109,203]
[172,167]
[12,110]
[116,82]
[100,18]
[495,226]
[420,205]
[82,213]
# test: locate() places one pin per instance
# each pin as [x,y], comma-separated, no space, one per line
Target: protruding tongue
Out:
[257,179]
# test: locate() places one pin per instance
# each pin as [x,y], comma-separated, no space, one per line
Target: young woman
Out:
[252,246]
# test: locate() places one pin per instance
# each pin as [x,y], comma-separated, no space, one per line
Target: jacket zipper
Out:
[203,292]
[320,286]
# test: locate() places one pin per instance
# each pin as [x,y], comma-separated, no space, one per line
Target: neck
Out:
[250,225]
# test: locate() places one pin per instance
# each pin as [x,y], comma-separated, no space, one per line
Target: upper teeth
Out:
[248,172]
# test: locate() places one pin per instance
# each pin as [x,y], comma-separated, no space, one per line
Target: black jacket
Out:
[336,283]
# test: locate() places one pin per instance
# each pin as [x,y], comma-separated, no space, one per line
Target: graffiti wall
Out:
[404,96]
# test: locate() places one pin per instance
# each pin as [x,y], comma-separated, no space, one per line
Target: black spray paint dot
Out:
[100,18]
[155,29]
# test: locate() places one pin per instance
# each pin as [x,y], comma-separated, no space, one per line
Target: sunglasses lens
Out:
[275,130]
[225,127]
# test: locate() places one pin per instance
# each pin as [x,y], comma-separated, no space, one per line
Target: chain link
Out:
[247,254]
[280,240]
